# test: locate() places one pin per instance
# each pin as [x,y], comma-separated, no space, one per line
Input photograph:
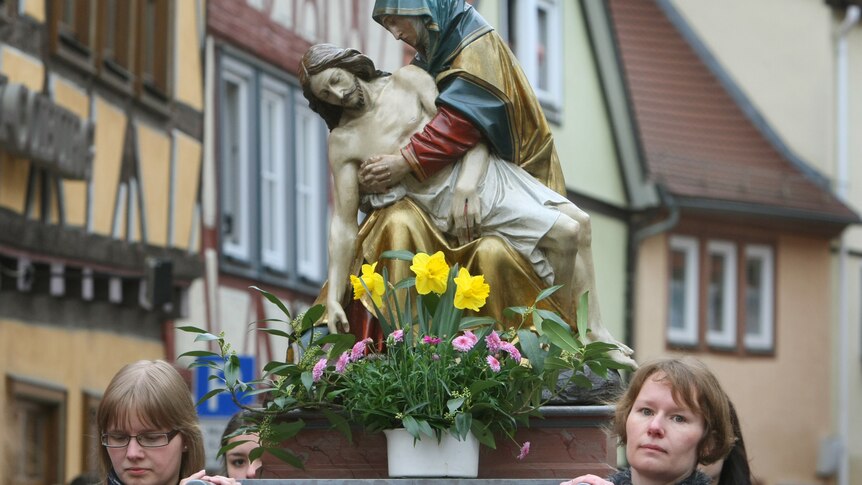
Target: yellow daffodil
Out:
[374,282]
[471,291]
[432,273]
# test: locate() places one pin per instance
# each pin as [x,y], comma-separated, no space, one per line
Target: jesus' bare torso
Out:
[395,108]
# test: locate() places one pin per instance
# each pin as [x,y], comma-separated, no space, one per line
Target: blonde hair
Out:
[694,385]
[154,392]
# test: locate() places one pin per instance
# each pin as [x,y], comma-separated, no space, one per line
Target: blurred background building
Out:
[157,159]
[100,158]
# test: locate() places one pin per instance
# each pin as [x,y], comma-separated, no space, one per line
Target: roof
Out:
[701,138]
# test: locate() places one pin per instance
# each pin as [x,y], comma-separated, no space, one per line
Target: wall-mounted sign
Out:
[33,126]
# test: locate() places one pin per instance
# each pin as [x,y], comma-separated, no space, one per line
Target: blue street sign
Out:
[221,405]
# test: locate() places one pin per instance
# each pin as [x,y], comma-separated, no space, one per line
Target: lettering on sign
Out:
[33,126]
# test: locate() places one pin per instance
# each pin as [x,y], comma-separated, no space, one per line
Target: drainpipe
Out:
[636,239]
[851,18]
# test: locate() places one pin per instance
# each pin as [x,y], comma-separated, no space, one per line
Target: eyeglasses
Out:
[147,440]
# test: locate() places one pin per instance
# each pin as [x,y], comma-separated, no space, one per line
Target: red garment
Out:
[443,141]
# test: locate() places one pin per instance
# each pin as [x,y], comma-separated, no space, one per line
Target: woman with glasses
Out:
[149,429]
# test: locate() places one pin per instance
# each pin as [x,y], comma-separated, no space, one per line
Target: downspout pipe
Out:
[638,236]
[851,18]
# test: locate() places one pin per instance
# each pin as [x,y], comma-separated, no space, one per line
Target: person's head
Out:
[330,77]
[236,461]
[148,425]
[673,416]
[409,29]
[734,468]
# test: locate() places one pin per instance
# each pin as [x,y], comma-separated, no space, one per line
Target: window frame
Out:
[277,92]
[526,34]
[312,267]
[302,231]
[688,334]
[732,336]
[765,340]
[242,76]
[726,336]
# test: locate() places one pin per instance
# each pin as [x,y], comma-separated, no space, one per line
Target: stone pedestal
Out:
[569,441]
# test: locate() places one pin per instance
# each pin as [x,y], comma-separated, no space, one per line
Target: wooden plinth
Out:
[569,441]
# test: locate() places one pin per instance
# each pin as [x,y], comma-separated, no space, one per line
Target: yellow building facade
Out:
[100,168]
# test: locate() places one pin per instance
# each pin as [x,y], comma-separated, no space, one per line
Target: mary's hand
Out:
[466,214]
[378,173]
[336,318]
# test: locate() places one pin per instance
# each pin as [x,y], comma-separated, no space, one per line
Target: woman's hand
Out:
[587,480]
[465,214]
[377,174]
[213,479]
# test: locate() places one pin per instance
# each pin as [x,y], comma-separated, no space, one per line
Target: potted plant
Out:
[443,377]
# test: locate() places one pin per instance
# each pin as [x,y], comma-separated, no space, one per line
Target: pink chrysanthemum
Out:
[493,341]
[358,350]
[493,363]
[317,371]
[525,450]
[463,343]
[512,351]
[398,335]
[431,340]
[341,364]
[472,336]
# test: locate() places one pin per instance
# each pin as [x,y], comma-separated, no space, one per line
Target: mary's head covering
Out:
[451,24]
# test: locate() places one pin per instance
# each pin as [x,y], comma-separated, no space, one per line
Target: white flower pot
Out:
[428,458]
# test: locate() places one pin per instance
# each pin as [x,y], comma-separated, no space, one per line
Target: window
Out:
[127,43]
[116,37]
[37,413]
[721,294]
[758,297]
[274,178]
[535,36]
[310,208]
[682,307]
[236,148]
[738,303]
[153,44]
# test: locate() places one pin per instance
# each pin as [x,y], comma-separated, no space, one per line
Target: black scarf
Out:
[625,478]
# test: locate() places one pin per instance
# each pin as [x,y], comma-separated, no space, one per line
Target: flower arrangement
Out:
[440,371]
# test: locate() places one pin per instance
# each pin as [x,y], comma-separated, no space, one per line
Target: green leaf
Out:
[232,371]
[554,317]
[191,329]
[339,422]
[477,387]
[472,322]
[531,349]
[209,395]
[311,316]
[286,430]
[273,299]
[598,369]
[454,404]
[556,363]
[583,315]
[547,292]
[284,455]
[307,380]
[401,254]
[276,332]
[411,426]
[562,338]
[483,434]
[516,310]
[405,283]
[199,353]
[206,337]
[463,423]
